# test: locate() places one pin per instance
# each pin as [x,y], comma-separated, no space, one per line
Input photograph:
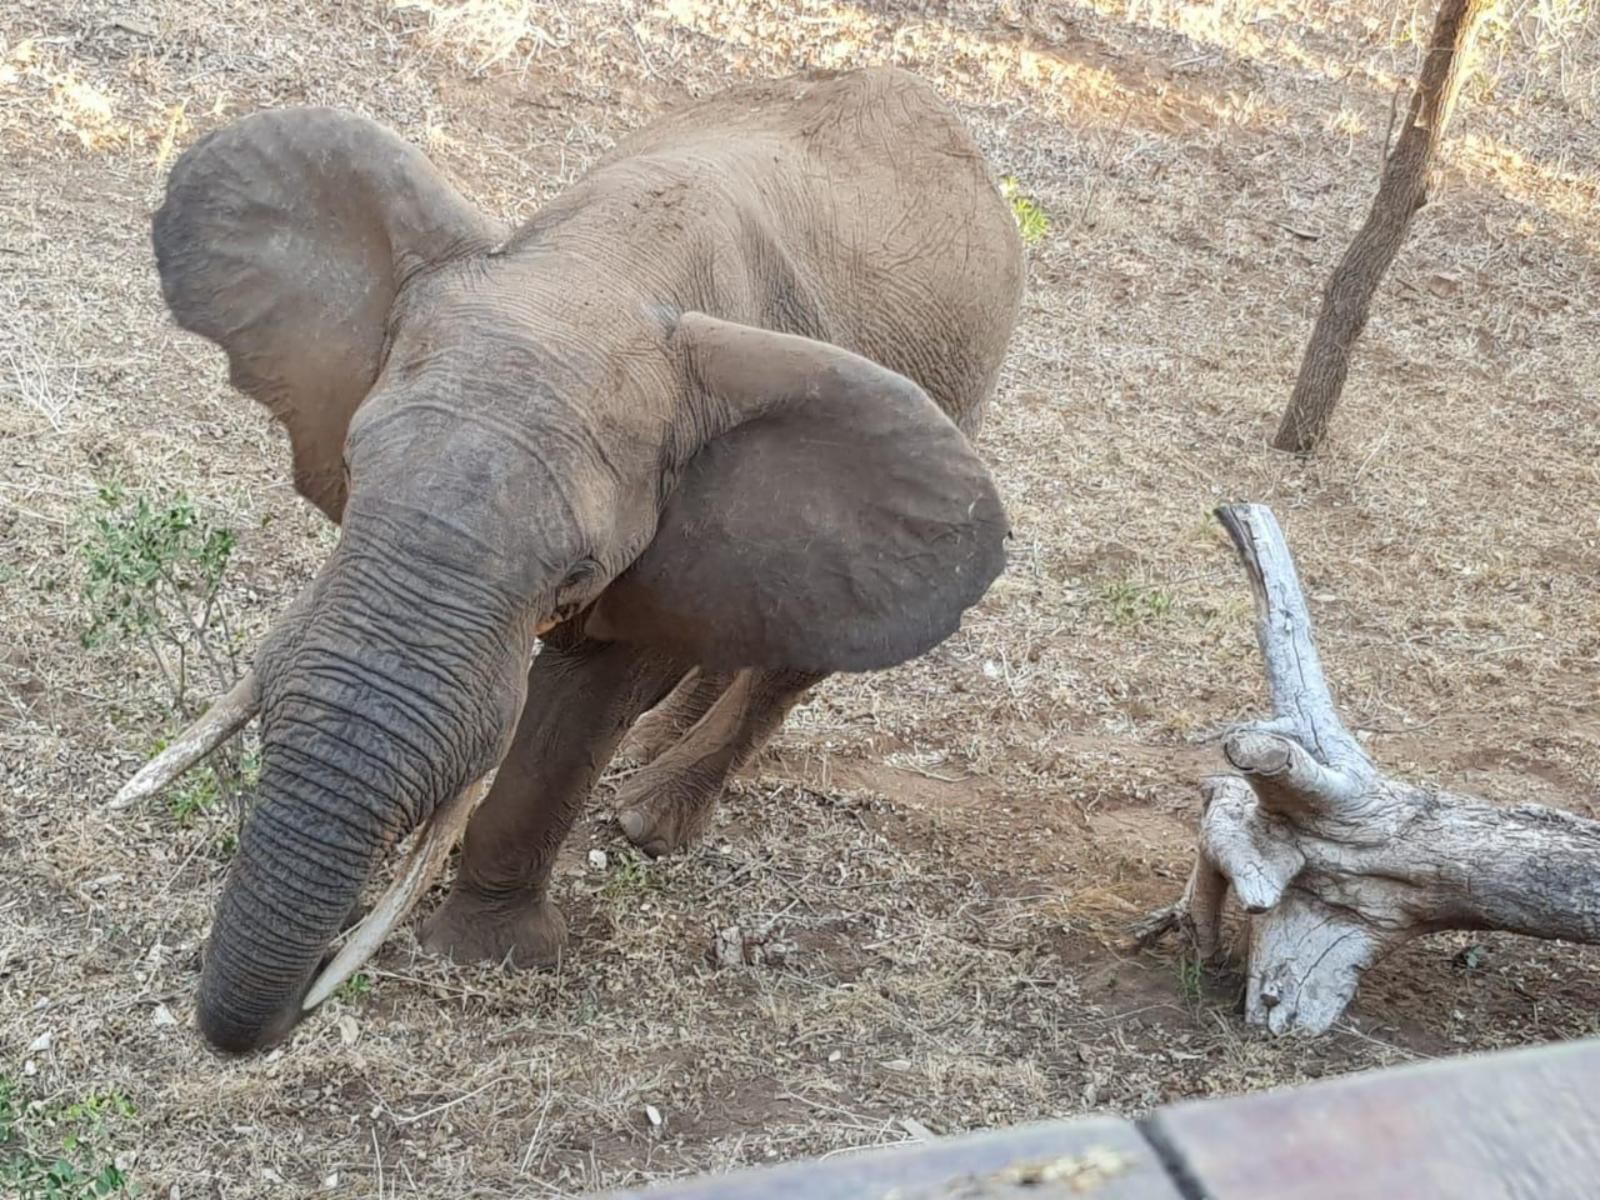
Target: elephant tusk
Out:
[222,720]
[413,878]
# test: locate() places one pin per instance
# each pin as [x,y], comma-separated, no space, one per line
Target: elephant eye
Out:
[579,579]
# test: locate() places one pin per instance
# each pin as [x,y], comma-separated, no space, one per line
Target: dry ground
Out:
[940,859]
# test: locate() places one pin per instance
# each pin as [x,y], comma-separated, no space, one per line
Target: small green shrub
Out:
[1032,221]
[154,569]
[62,1151]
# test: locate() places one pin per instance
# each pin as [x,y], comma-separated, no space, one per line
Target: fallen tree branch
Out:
[1334,863]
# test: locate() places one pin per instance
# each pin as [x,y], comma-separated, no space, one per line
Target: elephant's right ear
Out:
[285,239]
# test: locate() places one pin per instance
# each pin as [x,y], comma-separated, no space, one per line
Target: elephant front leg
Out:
[581,698]
[668,803]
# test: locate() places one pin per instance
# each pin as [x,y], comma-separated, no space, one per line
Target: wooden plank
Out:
[1523,1125]
[1092,1159]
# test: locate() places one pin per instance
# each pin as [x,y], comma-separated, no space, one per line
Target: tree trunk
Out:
[1402,190]
[1337,865]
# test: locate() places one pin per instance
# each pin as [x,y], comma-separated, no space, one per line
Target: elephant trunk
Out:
[299,871]
[360,745]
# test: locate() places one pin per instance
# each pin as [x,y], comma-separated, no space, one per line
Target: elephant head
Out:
[510,443]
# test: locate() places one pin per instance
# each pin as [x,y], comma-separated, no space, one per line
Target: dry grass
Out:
[934,862]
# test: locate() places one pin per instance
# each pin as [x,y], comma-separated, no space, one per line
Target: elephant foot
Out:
[661,812]
[651,736]
[470,928]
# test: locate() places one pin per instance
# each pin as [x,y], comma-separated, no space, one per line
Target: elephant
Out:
[695,436]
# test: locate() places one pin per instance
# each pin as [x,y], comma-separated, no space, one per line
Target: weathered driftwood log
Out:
[1335,864]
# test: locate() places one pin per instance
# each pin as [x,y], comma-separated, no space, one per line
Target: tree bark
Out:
[1335,864]
[1402,190]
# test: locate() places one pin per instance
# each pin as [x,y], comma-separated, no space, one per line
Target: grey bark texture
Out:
[1402,190]
[1335,864]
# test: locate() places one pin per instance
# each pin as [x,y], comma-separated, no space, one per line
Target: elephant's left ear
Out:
[285,238]
[840,522]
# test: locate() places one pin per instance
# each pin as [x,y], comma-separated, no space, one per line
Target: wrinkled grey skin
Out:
[707,412]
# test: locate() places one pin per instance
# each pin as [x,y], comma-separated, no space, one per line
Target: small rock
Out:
[129,23]
[653,1114]
[349,1031]
[897,1064]
[41,1044]
[774,953]
[836,1056]
[330,1182]
[729,948]
[163,1017]
[597,859]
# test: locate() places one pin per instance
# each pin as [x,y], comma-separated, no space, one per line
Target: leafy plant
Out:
[199,792]
[155,569]
[355,989]
[193,795]
[61,1151]
[1191,981]
[1130,603]
[1032,221]
[8,1108]
[630,881]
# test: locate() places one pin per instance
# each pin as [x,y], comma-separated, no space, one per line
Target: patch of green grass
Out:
[204,787]
[1129,603]
[355,989]
[198,791]
[194,795]
[62,1151]
[1032,221]
[630,880]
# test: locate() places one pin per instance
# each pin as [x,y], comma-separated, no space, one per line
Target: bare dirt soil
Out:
[934,867]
